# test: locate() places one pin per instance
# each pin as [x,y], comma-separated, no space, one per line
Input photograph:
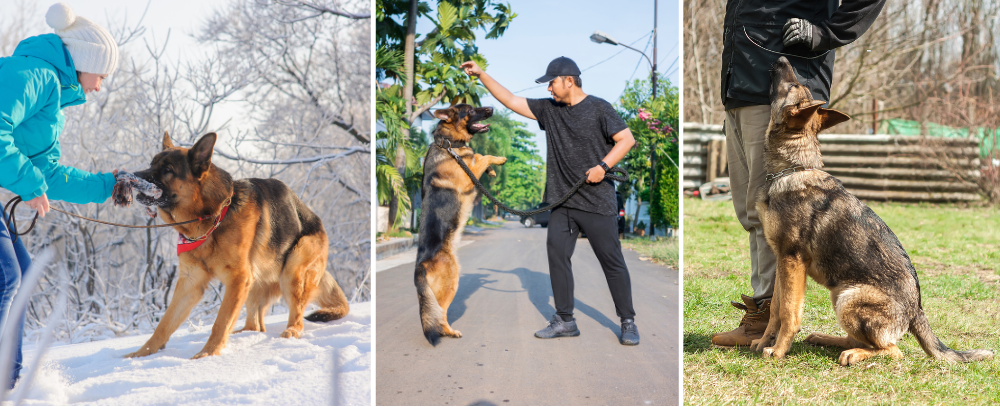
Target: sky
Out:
[544,30]
[181,17]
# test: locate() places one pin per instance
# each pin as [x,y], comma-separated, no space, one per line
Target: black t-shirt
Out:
[578,138]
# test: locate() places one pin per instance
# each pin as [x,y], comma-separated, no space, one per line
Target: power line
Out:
[594,65]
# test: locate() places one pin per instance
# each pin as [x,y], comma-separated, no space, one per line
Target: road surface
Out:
[504,296]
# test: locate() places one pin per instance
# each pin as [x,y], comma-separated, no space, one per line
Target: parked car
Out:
[538,219]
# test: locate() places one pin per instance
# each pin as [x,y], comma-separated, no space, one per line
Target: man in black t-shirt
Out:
[584,135]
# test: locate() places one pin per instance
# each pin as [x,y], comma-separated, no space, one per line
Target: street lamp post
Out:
[603,38]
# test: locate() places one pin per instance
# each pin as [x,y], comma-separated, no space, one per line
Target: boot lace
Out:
[753,317]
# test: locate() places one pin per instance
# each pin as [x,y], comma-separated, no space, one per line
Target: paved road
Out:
[504,296]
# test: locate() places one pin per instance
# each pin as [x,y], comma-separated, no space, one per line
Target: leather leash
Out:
[481,188]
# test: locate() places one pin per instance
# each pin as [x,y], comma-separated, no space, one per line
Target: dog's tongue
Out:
[480,126]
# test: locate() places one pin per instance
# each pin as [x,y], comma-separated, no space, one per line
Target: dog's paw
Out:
[491,172]
[143,351]
[852,356]
[772,353]
[292,333]
[453,333]
[502,161]
[758,345]
[207,352]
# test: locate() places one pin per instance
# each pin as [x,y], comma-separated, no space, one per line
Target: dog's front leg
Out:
[481,163]
[792,272]
[237,287]
[774,321]
[190,287]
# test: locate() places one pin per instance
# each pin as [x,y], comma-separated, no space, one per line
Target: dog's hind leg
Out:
[844,342]
[259,298]
[300,278]
[190,288]
[872,322]
[853,356]
[445,286]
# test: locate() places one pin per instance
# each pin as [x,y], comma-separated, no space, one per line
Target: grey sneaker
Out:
[630,334]
[558,328]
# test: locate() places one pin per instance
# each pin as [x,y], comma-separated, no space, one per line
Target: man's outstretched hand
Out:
[798,31]
[472,69]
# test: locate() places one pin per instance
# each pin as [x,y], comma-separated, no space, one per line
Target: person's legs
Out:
[602,232]
[14,261]
[561,242]
[745,130]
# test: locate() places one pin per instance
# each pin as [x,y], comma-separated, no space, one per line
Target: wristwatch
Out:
[605,166]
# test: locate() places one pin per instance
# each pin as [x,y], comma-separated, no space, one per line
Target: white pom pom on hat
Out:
[60,16]
[92,47]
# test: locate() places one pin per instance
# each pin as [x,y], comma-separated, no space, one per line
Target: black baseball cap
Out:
[561,66]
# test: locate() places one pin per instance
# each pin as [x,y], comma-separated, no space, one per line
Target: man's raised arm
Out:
[516,103]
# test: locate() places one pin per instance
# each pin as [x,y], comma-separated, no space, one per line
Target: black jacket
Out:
[752,25]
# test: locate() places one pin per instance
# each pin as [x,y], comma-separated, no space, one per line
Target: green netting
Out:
[989,139]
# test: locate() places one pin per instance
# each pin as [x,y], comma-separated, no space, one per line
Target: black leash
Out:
[12,224]
[619,178]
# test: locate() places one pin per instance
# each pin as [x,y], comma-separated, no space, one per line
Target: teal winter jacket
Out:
[36,83]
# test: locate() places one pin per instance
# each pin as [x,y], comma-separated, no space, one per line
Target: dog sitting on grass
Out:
[818,229]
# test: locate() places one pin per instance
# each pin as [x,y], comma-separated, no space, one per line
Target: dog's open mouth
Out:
[479,127]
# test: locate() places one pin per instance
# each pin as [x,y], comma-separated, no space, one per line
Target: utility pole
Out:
[652,158]
[655,7]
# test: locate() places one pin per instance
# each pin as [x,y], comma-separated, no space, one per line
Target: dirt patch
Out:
[986,275]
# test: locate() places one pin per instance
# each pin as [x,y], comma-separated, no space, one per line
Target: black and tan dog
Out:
[259,239]
[448,197]
[817,229]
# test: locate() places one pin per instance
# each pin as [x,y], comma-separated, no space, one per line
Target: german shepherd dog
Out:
[818,229]
[448,197]
[268,244]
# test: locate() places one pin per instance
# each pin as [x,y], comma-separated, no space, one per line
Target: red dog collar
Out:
[185,245]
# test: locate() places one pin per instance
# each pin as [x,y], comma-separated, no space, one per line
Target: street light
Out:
[603,38]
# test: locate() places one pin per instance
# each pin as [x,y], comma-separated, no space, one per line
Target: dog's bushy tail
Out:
[332,300]
[921,329]
[430,311]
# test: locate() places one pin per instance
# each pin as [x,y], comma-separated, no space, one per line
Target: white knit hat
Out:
[91,46]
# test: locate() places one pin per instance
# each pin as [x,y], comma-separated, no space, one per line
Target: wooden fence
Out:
[875,167]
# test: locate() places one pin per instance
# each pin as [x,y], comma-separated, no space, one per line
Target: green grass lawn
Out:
[665,251]
[956,251]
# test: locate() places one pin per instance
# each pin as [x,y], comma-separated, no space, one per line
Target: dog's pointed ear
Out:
[200,155]
[445,115]
[167,142]
[800,114]
[831,118]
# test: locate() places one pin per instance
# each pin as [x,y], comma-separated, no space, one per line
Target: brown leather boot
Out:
[751,327]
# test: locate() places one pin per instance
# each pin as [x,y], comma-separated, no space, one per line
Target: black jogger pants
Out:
[602,232]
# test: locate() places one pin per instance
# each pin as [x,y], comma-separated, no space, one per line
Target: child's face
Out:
[90,81]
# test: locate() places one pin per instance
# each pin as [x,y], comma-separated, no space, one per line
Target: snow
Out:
[254,369]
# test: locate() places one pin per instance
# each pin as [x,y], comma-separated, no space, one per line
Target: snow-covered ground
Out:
[254,369]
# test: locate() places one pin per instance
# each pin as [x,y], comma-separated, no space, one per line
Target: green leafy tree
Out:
[520,181]
[430,72]
[653,123]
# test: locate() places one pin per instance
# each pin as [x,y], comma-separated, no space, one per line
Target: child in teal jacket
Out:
[46,74]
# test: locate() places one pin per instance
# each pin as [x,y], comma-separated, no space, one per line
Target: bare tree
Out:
[294,78]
